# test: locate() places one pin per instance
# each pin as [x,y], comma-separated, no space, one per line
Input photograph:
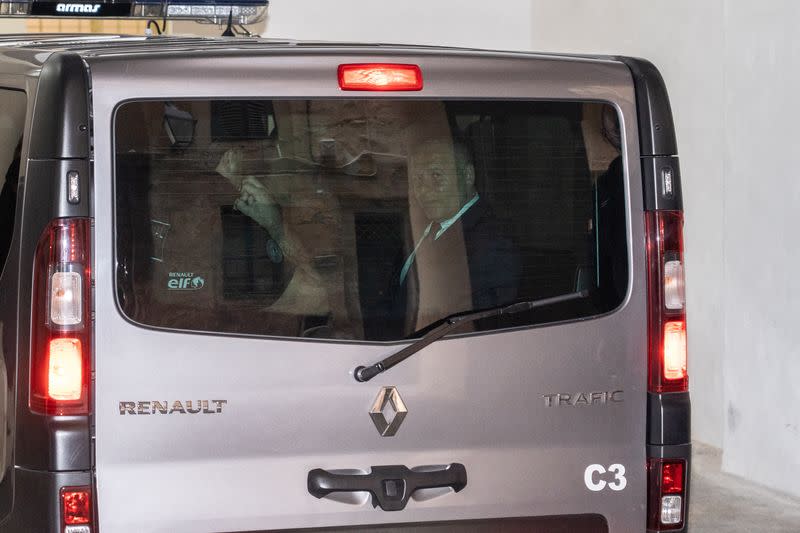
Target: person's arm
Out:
[306,293]
[257,203]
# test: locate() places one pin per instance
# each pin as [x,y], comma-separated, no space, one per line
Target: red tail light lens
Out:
[666,493]
[674,365]
[672,478]
[380,77]
[76,507]
[65,369]
[667,362]
[61,319]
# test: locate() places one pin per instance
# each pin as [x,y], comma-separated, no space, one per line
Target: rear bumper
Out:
[36,499]
[669,436]
[589,523]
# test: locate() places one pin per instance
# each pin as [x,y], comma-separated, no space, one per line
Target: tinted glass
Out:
[365,219]
[12,124]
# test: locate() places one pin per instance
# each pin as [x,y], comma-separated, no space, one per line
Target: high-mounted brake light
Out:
[61,318]
[667,360]
[666,491]
[76,509]
[380,77]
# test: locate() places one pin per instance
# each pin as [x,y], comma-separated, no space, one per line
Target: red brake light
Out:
[667,360]
[674,350]
[61,321]
[76,506]
[65,369]
[380,77]
[666,493]
[672,478]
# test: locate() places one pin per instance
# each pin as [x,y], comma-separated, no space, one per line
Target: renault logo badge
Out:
[388,402]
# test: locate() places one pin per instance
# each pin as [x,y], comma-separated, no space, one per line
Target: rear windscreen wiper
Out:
[447,324]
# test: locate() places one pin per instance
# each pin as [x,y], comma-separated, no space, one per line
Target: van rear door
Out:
[262,232]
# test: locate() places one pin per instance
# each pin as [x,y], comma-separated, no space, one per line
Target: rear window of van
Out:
[365,219]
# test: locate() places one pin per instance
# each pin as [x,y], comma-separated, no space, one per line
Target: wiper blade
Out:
[447,324]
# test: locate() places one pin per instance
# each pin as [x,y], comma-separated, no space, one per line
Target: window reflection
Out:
[362,219]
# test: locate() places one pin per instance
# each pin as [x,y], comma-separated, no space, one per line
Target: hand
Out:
[230,166]
[256,202]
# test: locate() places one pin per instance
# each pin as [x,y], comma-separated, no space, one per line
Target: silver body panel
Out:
[293,405]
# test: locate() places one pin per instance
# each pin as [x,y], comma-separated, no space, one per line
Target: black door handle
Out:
[390,486]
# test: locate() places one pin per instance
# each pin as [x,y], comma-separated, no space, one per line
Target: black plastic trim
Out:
[584,523]
[10,319]
[658,146]
[50,177]
[36,507]
[45,442]
[60,126]
[662,183]
[656,128]
[669,419]
[390,486]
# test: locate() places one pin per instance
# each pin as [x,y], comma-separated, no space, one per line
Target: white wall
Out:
[12,25]
[442,22]
[762,249]
[447,22]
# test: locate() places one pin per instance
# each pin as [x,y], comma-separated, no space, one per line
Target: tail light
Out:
[380,77]
[666,302]
[76,509]
[666,494]
[61,341]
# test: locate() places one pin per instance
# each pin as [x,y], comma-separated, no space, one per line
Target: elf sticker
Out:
[185,281]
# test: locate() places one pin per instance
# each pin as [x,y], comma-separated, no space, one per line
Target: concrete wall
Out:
[762,251]
[443,22]
[448,22]
[12,25]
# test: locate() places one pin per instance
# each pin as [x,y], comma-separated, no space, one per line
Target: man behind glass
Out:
[442,185]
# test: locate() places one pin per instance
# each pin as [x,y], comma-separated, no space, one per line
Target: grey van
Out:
[255,285]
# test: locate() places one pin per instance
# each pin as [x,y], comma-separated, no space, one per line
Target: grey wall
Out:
[762,253]
[732,71]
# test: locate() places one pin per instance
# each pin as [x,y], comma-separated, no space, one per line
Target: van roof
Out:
[34,49]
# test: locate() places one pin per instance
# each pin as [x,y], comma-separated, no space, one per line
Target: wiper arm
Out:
[366,373]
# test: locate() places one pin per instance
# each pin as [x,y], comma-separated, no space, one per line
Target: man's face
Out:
[435,182]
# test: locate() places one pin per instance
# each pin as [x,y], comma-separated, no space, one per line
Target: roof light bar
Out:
[209,11]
